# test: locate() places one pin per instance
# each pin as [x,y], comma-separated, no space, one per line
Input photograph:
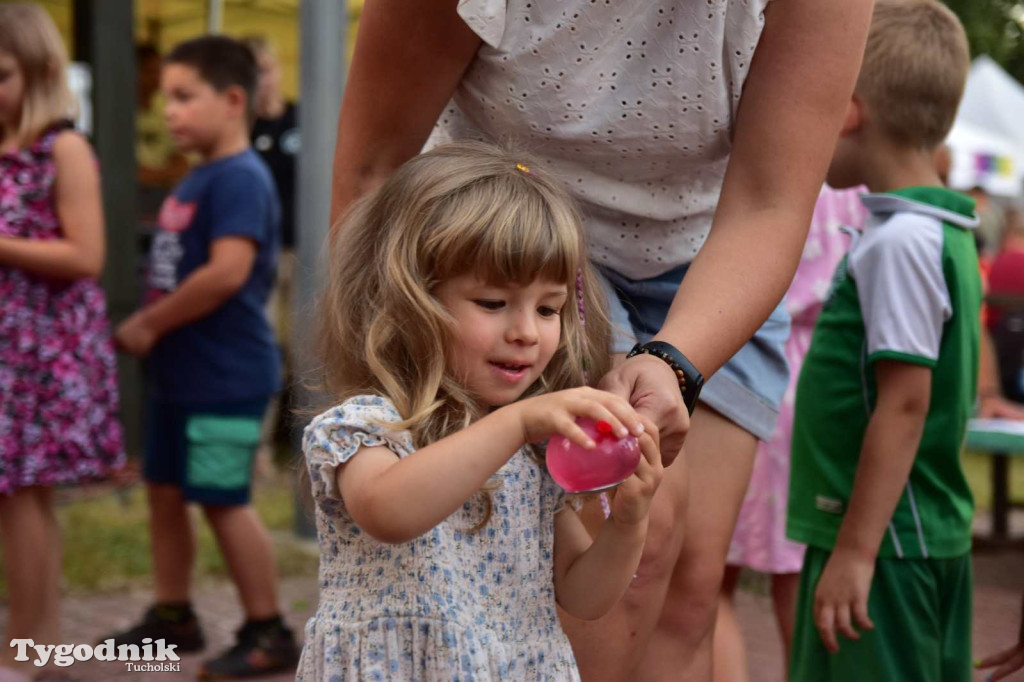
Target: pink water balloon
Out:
[578,470]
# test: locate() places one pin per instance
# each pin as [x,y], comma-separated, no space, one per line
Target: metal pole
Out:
[323,31]
[214,16]
[103,38]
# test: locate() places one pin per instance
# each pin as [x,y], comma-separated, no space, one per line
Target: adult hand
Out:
[997,407]
[651,387]
[1007,661]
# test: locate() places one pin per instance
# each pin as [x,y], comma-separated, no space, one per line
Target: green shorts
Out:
[921,609]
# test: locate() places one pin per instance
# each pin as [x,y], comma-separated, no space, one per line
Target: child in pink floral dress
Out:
[759,541]
[58,385]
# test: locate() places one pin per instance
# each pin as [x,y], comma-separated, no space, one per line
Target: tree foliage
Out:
[994,28]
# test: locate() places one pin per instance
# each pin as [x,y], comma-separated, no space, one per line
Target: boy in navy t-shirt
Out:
[211,356]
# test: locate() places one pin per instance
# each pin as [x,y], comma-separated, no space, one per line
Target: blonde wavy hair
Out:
[465,208]
[28,34]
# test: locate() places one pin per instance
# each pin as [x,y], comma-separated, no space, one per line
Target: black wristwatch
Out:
[690,380]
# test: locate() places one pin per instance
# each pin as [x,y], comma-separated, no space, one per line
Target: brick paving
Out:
[999,578]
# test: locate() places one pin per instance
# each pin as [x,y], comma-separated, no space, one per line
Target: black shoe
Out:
[262,648]
[173,624]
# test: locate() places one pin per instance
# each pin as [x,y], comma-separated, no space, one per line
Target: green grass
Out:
[106,539]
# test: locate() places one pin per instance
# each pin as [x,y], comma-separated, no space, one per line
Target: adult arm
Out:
[796,92]
[79,252]
[409,58]
[991,402]
[1008,660]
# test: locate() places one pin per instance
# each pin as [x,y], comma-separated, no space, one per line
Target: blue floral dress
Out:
[449,605]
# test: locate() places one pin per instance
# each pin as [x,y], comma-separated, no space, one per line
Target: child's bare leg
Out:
[730,654]
[784,592]
[249,554]
[610,648]
[51,609]
[173,543]
[31,542]
[720,456]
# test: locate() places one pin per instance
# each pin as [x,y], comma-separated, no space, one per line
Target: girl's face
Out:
[505,336]
[12,90]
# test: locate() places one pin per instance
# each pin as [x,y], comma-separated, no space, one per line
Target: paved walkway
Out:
[999,579]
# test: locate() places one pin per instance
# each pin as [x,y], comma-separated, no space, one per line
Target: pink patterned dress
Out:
[759,541]
[58,382]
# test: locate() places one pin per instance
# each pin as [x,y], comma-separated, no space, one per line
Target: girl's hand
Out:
[632,501]
[546,415]
[135,336]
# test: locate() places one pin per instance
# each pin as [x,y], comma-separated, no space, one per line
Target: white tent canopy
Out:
[987,139]
[983,159]
[993,101]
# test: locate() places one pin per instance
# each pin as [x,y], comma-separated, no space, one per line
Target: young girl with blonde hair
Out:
[58,387]
[455,340]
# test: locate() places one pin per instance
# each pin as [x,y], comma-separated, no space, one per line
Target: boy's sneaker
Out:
[262,648]
[173,624]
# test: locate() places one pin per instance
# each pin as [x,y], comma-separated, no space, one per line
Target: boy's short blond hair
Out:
[914,71]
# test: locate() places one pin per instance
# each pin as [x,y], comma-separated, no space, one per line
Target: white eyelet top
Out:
[630,103]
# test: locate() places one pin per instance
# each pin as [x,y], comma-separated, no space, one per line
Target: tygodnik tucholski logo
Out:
[163,659]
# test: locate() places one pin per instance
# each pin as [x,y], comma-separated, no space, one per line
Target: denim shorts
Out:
[748,389]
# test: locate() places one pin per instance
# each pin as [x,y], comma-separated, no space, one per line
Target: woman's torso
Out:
[631,105]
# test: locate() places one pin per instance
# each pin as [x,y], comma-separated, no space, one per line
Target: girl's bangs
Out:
[517,238]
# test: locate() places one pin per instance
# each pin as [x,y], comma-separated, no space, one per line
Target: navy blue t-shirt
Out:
[230,354]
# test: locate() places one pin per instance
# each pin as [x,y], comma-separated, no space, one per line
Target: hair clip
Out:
[523,168]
